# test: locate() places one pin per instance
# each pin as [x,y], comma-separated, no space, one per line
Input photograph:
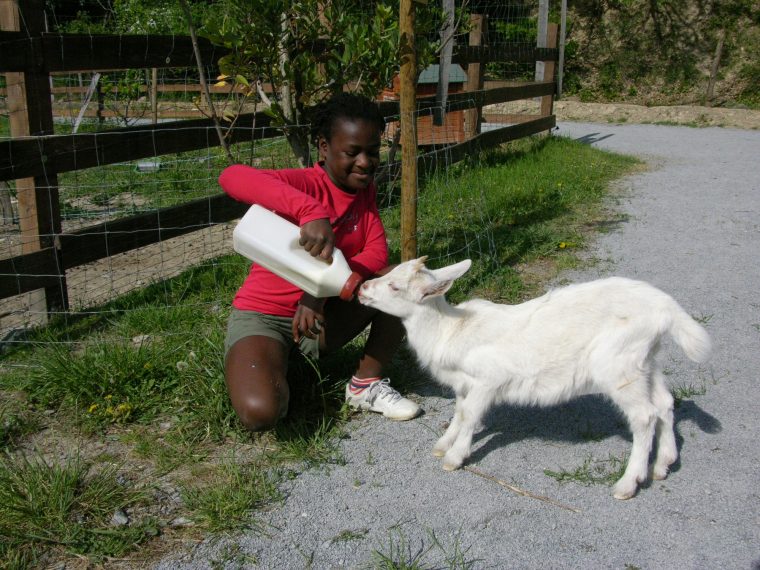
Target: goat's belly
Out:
[457,380]
[543,391]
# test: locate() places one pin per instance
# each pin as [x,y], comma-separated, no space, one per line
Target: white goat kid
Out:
[594,338]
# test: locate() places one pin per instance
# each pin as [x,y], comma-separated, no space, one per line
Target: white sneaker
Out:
[380,397]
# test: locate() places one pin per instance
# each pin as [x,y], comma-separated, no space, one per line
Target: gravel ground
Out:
[693,229]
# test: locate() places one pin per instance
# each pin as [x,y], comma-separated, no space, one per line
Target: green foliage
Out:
[133,17]
[659,52]
[521,29]
[64,507]
[276,42]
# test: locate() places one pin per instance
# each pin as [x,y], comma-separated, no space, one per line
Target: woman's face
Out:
[352,155]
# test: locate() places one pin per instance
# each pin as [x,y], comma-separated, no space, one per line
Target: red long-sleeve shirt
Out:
[301,196]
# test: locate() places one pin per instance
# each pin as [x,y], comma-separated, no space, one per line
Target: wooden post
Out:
[444,65]
[562,33]
[101,104]
[472,117]
[547,101]
[408,107]
[541,34]
[154,94]
[30,113]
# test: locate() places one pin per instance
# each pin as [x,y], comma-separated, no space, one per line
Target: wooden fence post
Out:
[154,94]
[408,119]
[472,117]
[547,101]
[31,113]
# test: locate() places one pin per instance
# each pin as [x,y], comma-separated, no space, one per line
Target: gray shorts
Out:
[250,323]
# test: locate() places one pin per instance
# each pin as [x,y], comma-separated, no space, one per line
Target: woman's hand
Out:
[318,238]
[309,318]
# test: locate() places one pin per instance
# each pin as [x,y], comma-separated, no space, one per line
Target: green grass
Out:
[66,508]
[142,376]
[591,472]
[399,553]
[182,177]
[531,199]
[224,500]
[685,391]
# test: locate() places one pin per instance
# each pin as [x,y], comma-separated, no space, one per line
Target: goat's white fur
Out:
[593,338]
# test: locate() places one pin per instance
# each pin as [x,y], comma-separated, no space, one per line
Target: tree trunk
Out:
[714,68]
[296,135]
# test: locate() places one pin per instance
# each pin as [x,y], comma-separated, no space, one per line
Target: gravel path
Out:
[692,229]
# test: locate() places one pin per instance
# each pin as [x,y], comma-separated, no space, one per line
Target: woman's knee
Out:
[257,415]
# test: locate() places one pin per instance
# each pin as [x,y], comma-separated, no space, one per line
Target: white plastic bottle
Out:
[271,241]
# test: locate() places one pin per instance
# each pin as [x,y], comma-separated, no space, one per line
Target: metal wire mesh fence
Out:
[89,116]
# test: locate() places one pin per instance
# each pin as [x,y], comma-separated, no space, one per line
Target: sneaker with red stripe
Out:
[378,396]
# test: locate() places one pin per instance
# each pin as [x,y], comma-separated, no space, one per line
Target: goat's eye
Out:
[393,286]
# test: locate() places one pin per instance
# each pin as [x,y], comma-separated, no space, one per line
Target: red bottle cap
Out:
[347,293]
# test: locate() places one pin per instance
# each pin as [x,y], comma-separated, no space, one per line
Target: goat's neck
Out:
[431,323]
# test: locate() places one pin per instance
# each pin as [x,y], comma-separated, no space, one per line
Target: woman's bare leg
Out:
[255,372]
[345,320]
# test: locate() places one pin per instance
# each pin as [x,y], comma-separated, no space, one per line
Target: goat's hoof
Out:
[662,467]
[659,473]
[623,492]
[438,452]
[450,464]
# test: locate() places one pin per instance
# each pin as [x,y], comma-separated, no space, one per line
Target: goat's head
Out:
[408,285]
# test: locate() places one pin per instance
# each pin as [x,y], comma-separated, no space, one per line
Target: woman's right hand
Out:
[318,239]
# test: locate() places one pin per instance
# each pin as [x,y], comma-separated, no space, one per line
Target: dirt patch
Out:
[690,115]
[687,115]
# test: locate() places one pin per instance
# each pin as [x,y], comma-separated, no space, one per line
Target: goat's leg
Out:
[633,399]
[667,451]
[445,442]
[472,409]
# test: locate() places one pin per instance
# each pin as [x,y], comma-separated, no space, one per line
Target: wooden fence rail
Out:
[44,156]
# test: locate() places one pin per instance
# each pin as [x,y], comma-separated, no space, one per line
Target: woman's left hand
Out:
[309,318]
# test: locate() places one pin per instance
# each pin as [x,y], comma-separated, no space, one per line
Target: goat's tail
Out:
[690,335]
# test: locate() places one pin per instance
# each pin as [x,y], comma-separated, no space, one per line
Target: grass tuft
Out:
[67,507]
[225,498]
[592,471]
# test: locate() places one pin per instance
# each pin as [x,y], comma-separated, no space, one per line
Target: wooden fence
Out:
[35,156]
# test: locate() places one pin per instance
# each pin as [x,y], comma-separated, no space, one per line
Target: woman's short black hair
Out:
[343,106]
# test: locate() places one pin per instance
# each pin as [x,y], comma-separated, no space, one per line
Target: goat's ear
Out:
[435,289]
[444,277]
[451,272]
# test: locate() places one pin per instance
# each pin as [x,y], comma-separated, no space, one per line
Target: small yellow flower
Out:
[562,245]
[92,408]
[108,397]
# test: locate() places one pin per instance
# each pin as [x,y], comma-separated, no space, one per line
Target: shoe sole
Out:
[398,418]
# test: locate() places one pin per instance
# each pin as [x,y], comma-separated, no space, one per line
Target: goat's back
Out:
[561,337]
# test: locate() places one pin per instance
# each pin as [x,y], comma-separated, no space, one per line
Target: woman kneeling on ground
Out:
[334,204]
